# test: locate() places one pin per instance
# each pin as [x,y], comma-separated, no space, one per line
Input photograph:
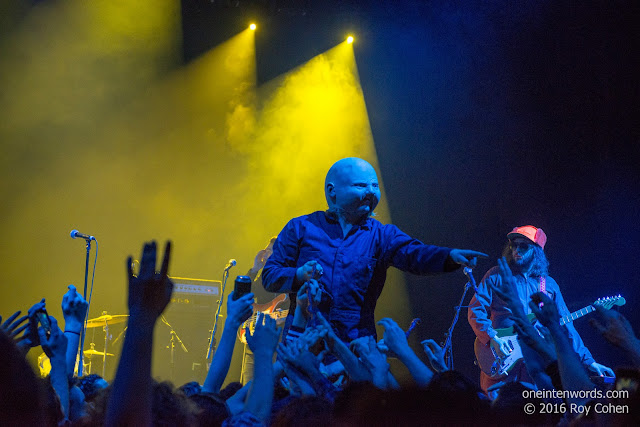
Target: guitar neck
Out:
[577,314]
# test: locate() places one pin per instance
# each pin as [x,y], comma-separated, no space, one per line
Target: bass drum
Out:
[44,366]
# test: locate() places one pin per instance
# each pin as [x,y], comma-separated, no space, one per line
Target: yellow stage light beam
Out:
[350,39]
[311,117]
[252,26]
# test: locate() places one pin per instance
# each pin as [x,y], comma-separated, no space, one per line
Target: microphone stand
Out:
[172,346]
[448,345]
[225,276]
[83,329]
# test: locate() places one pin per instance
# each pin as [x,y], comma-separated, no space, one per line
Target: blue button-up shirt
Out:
[354,266]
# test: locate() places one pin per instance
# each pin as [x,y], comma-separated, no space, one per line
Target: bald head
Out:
[351,186]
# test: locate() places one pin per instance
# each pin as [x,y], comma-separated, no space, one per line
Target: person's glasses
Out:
[523,246]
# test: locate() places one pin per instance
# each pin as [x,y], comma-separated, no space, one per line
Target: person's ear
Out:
[331,189]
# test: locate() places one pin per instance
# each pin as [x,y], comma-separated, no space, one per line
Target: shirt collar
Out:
[332,218]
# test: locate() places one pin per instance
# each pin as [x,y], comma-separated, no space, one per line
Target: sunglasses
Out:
[520,246]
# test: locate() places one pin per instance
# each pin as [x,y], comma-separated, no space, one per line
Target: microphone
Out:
[76,233]
[468,271]
[231,263]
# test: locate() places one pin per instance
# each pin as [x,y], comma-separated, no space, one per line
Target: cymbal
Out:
[106,319]
[92,352]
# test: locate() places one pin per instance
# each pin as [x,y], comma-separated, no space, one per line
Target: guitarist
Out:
[524,253]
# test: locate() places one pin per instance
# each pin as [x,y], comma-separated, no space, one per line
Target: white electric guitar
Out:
[499,367]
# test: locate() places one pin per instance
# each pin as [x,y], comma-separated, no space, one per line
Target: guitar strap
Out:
[543,285]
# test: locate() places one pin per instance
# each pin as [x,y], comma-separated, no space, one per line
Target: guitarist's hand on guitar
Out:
[603,371]
[545,310]
[499,346]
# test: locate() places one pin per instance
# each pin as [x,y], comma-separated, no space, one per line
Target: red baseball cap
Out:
[536,235]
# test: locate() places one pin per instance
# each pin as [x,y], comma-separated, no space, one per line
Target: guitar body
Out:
[269,309]
[499,367]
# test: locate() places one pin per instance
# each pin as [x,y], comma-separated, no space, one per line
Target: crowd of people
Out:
[310,378]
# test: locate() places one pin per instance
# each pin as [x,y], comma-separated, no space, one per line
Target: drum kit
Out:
[104,321]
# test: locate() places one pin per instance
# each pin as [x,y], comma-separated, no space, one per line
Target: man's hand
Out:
[74,310]
[300,357]
[311,289]
[238,310]
[374,361]
[435,354]
[30,336]
[507,290]
[395,339]
[614,327]
[265,337]
[310,270]
[603,371]
[466,257]
[150,291]
[499,346]
[330,336]
[312,339]
[545,310]
[538,339]
[54,346]
[11,326]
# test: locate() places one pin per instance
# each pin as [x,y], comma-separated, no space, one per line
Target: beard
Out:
[522,264]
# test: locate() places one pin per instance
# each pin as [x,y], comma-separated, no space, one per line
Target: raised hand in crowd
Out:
[617,330]
[302,314]
[537,338]
[396,340]
[238,311]
[74,310]
[545,311]
[54,344]
[263,344]
[312,339]
[538,351]
[299,370]
[435,355]
[149,294]
[13,327]
[352,365]
[508,293]
[29,337]
[572,373]
[376,363]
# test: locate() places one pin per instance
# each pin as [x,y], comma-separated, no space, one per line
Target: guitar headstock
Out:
[609,302]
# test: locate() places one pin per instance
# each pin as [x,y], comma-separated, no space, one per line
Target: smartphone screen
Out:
[43,318]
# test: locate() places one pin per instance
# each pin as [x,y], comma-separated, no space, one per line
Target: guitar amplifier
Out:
[195,295]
